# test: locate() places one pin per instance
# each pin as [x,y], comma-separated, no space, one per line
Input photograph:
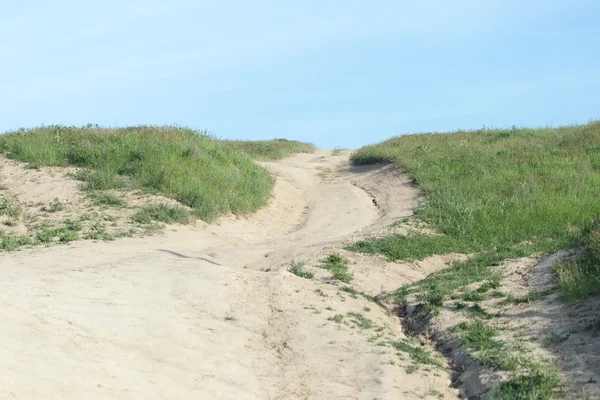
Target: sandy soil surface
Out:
[211,311]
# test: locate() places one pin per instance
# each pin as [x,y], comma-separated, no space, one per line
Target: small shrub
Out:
[24,240]
[9,243]
[297,268]
[56,206]
[68,236]
[45,236]
[73,225]
[9,208]
[338,318]
[338,266]
[98,232]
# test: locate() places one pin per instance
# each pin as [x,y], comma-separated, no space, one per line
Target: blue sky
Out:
[337,73]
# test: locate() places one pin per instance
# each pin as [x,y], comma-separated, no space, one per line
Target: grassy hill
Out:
[212,177]
[497,195]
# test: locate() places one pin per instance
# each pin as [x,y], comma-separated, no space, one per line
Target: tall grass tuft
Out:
[580,278]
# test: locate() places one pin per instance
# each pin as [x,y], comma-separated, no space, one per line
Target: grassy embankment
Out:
[498,194]
[211,177]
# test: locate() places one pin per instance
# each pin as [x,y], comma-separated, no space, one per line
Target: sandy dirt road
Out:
[210,311]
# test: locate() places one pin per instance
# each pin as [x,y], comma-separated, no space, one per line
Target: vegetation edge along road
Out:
[495,195]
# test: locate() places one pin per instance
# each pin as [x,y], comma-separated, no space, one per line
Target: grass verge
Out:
[497,195]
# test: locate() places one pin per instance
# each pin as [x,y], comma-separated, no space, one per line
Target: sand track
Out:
[211,312]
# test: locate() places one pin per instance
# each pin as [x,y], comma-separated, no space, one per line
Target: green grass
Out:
[107,199]
[418,354]
[355,293]
[56,206]
[580,278]
[360,320]
[529,379]
[11,242]
[539,383]
[68,236]
[493,283]
[338,318]
[205,174]
[435,289]
[478,312]
[412,247]
[477,335]
[270,150]
[162,213]
[9,207]
[73,225]
[473,296]
[65,234]
[297,268]
[338,266]
[490,189]
[482,345]
[498,195]
[98,232]
[45,236]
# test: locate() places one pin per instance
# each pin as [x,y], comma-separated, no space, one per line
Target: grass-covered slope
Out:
[205,174]
[270,150]
[491,189]
[497,195]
